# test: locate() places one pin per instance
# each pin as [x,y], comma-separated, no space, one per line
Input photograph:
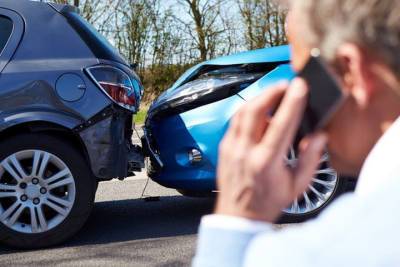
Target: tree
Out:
[205,26]
[264,23]
[94,11]
[132,29]
[166,37]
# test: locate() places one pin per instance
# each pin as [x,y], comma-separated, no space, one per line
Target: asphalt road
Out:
[126,230]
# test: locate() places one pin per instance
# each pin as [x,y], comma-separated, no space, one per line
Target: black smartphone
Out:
[324,97]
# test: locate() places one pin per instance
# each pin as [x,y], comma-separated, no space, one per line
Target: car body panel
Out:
[203,127]
[283,72]
[30,116]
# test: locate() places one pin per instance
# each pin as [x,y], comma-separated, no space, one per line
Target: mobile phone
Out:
[324,95]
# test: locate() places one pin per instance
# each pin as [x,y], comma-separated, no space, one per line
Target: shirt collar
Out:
[382,164]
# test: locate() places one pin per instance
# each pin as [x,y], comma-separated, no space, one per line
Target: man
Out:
[360,41]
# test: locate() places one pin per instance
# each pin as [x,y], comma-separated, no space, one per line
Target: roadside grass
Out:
[140,116]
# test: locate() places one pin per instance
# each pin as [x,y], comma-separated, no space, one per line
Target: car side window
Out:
[6,28]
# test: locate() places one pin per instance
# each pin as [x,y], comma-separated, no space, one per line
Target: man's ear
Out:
[354,68]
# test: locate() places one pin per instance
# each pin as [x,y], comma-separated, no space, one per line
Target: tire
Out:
[343,185]
[152,168]
[76,196]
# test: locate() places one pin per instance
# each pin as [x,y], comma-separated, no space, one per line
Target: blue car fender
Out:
[281,73]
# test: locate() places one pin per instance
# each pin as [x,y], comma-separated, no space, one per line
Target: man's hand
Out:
[253,179]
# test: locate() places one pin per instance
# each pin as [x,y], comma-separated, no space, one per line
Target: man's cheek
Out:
[336,144]
[333,158]
[337,160]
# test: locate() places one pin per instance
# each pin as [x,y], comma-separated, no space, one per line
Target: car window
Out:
[6,27]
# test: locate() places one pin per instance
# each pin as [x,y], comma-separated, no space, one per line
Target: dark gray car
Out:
[66,104]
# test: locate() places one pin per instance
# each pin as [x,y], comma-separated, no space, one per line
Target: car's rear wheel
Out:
[46,191]
[325,187]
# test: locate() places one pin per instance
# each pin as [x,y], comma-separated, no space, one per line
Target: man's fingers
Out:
[254,113]
[285,123]
[309,158]
[235,124]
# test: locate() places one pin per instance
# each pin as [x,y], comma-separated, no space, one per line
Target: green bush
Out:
[156,79]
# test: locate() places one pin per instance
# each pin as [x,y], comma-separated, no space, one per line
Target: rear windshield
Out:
[99,45]
[6,27]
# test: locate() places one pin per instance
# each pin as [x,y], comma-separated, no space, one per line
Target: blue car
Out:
[185,125]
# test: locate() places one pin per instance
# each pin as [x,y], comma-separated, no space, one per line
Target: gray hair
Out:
[371,24]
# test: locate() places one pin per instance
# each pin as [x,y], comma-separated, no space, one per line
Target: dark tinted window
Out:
[99,45]
[6,27]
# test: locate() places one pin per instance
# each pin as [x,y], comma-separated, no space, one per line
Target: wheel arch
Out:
[49,128]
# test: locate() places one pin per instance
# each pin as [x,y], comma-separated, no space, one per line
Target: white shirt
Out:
[358,229]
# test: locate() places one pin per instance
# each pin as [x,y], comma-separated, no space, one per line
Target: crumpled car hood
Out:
[264,55]
[280,55]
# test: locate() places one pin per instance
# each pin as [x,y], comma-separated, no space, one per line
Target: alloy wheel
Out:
[37,191]
[319,192]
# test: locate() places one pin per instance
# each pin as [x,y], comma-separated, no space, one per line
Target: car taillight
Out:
[118,92]
[116,84]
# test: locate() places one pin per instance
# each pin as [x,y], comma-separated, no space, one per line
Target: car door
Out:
[11,31]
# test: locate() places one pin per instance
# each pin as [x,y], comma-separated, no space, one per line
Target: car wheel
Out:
[152,168]
[46,191]
[325,187]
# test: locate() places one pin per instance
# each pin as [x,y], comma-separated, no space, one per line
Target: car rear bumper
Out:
[108,141]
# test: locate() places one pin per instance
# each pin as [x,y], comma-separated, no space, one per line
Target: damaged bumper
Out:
[171,139]
[108,141]
[148,150]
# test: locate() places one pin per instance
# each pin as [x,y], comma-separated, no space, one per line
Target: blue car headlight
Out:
[200,92]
